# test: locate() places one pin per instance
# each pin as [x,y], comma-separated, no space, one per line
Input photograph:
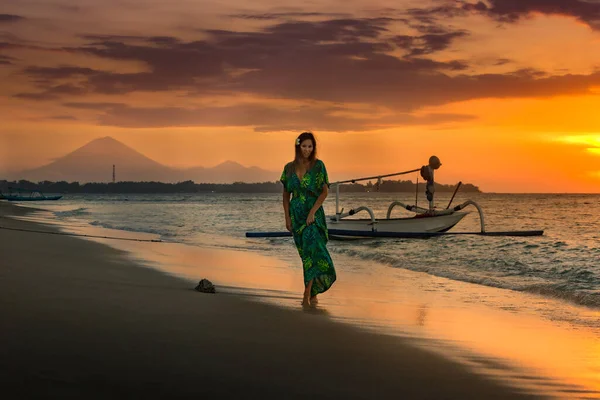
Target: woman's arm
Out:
[318,204]
[320,199]
[286,210]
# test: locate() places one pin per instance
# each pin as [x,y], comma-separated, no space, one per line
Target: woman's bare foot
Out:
[305,301]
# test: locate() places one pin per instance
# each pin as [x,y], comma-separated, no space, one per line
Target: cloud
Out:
[287,15]
[41,96]
[430,15]
[172,64]
[503,61]
[335,29]
[100,39]
[282,49]
[54,92]
[50,73]
[428,43]
[6,60]
[4,18]
[263,118]
[9,46]
[510,11]
[63,118]
[94,106]
[340,62]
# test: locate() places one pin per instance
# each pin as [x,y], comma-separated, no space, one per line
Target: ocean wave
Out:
[577,287]
[563,292]
[133,199]
[72,213]
[160,232]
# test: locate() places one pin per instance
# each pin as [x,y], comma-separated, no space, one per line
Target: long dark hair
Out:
[304,136]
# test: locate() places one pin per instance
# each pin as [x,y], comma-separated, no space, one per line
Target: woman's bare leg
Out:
[307,289]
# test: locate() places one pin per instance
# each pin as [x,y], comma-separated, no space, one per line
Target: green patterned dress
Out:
[310,240]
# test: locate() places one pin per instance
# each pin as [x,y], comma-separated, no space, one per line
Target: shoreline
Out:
[116,328]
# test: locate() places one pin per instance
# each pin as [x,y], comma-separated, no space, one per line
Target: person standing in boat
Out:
[427,172]
[305,180]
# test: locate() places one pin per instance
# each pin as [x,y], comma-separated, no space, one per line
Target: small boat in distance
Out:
[17,194]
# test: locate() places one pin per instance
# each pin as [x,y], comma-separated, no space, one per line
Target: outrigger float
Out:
[424,224]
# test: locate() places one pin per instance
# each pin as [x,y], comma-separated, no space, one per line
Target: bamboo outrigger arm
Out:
[378,177]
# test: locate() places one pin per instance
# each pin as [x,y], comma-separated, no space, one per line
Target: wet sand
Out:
[81,319]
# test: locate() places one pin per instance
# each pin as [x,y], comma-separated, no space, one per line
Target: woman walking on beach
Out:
[306,180]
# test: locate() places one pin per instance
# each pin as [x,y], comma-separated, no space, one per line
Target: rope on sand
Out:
[81,235]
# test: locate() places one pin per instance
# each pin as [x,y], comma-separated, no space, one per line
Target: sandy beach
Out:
[80,319]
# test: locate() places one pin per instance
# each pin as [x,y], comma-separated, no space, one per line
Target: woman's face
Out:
[306,147]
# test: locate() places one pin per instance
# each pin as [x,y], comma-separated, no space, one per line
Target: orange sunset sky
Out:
[505,92]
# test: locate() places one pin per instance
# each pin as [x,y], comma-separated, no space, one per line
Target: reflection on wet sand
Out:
[501,333]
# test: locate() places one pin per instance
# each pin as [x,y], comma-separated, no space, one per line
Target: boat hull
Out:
[417,224]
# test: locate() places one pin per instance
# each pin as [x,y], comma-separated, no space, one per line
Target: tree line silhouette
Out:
[64,187]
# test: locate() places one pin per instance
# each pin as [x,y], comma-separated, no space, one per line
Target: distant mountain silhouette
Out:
[229,172]
[93,163]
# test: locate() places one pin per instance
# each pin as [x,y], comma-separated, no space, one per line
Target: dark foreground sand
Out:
[80,320]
